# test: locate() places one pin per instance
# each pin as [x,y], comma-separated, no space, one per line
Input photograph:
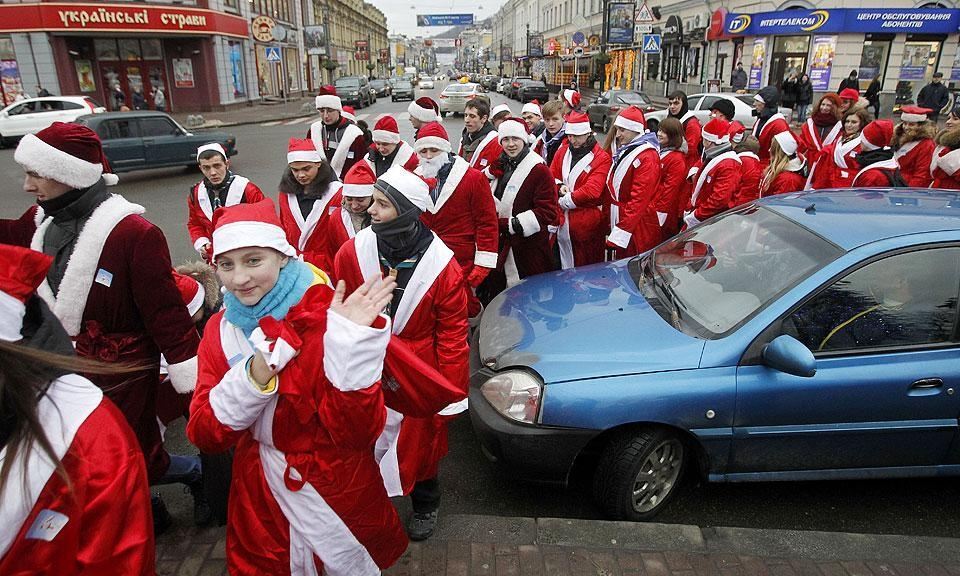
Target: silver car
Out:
[454,97]
[700,105]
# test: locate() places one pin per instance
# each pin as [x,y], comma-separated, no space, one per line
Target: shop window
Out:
[152,49]
[873,61]
[6,49]
[130,49]
[106,49]
[692,69]
[236,69]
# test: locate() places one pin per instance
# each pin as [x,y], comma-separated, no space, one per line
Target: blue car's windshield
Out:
[711,279]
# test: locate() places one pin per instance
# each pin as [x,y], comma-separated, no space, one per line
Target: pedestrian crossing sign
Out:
[273,53]
[644,15]
[651,43]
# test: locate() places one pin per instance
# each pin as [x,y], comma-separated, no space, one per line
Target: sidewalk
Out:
[254,114]
[489,545]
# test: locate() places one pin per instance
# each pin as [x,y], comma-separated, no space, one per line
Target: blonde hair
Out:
[778,164]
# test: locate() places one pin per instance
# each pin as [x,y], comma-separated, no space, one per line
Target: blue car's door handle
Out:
[926,383]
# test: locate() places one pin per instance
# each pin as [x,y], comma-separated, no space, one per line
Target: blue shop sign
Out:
[843,20]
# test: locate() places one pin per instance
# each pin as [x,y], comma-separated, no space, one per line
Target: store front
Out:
[789,57]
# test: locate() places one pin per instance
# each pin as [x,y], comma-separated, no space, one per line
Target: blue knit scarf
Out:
[294,280]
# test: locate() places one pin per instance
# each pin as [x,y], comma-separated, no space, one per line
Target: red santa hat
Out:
[787,142]
[513,127]
[213,147]
[327,98]
[632,119]
[737,132]
[350,113]
[386,130]
[877,134]
[302,151]
[849,94]
[398,181]
[191,292]
[359,180]
[68,153]
[424,109]
[249,225]
[717,131]
[432,135]
[21,271]
[499,109]
[571,97]
[577,124]
[914,114]
[532,107]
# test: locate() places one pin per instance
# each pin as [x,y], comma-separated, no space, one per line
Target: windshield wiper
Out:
[664,291]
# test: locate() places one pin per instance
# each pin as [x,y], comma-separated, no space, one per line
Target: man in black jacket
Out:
[934,96]
[850,81]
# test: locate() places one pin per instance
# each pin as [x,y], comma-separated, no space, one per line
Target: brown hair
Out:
[861,113]
[481,106]
[674,131]
[552,108]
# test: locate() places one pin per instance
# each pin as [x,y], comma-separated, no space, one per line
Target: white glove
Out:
[277,353]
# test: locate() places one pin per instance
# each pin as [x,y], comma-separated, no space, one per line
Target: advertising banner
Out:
[756,63]
[361,50]
[535,45]
[444,19]
[315,40]
[955,69]
[444,42]
[183,73]
[914,63]
[824,48]
[845,20]
[620,22]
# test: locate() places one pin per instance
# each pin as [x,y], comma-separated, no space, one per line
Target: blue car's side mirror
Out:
[787,354]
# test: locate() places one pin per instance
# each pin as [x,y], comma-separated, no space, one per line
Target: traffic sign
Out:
[579,38]
[643,28]
[578,51]
[273,53]
[651,43]
[644,15]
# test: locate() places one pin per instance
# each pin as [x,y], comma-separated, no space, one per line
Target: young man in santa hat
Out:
[914,145]
[678,107]
[553,135]
[570,99]
[423,110]
[580,169]
[632,187]
[878,164]
[746,146]
[724,109]
[429,312]
[533,117]
[111,283]
[769,121]
[309,194]
[75,495]
[220,187]
[821,129]
[526,201]
[498,114]
[461,209]
[717,177]
[351,216]
[478,143]
[389,150]
[290,379]
[339,140]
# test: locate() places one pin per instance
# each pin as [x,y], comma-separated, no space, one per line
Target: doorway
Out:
[789,56]
[134,65]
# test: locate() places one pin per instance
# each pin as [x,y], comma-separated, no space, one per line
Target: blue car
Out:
[808,336]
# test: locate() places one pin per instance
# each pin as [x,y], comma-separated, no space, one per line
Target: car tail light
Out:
[93,109]
[470,96]
[442,96]
[516,84]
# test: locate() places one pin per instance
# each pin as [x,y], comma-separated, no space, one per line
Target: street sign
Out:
[273,53]
[644,15]
[579,38]
[651,43]
[578,51]
[444,19]
[643,28]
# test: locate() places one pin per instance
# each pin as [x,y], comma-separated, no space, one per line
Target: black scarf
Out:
[509,165]
[868,157]
[218,192]
[577,154]
[70,213]
[477,136]
[539,129]
[405,236]
[382,163]
[684,108]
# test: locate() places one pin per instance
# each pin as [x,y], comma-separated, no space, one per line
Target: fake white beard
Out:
[430,168]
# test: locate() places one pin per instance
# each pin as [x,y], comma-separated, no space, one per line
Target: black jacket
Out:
[789,92]
[873,93]
[804,93]
[933,96]
[849,83]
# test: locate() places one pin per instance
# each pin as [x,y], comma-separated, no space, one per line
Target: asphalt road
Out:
[474,486]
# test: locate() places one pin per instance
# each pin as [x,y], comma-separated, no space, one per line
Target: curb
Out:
[220,124]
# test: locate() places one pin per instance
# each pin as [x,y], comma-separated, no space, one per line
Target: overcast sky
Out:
[402,14]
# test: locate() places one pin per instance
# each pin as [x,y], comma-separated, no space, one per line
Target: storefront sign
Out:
[315,40]
[361,50]
[756,64]
[716,31]
[620,22]
[183,73]
[535,45]
[824,47]
[673,30]
[262,28]
[118,18]
[843,20]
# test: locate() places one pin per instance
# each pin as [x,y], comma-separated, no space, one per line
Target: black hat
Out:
[724,107]
[938,74]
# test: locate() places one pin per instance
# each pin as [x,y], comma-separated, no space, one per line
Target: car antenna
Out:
[811,209]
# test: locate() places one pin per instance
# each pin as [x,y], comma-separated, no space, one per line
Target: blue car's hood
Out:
[583,323]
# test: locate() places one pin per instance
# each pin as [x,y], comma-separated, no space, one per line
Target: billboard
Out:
[444,19]
[315,39]
[444,42]
[535,45]
[361,50]
[845,20]
[620,22]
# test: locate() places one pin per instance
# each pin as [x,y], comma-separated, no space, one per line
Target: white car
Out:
[32,115]
[454,97]
[742,104]
[426,84]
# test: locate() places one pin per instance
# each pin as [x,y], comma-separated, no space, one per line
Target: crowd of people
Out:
[326,374]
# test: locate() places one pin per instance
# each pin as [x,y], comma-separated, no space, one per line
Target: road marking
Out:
[299,121]
[363,117]
[274,123]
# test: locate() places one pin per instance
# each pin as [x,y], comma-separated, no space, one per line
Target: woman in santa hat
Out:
[351,216]
[878,164]
[837,165]
[945,164]
[821,129]
[289,376]
[787,169]
[73,487]
[913,145]
[769,120]
[673,190]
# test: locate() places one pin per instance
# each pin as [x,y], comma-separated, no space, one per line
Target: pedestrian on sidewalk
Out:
[873,96]
[738,80]
[804,98]
[789,91]
[934,96]
[289,377]
[849,82]
[159,99]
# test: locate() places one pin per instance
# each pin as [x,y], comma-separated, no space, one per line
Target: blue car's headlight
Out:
[515,394]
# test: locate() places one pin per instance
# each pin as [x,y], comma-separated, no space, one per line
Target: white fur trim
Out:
[906,117]
[236,401]
[566,202]
[386,136]
[183,375]
[357,190]
[529,223]
[531,108]
[620,237]
[12,312]
[110,179]
[512,128]
[353,354]
[629,124]
[759,98]
[498,109]
[710,137]
[211,146]
[304,156]
[348,115]
[329,101]
[245,234]
[48,161]
[422,114]
[787,142]
[485,259]
[200,243]
[432,142]
[577,128]
[950,162]
[197,302]
[455,408]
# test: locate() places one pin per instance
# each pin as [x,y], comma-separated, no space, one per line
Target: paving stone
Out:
[531,561]
[482,560]
[655,564]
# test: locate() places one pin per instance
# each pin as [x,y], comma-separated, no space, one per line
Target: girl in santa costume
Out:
[388,149]
[769,121]
[821,129]
[632,187]
[580,169]
[309,194]
[673,190]
[913,144]
[73,487]
[878,164]
[787,171]
[351,216]
[838,165]
[747,147]
[945,163]
[429,312]
[717,177]
[679,107]
[289,377]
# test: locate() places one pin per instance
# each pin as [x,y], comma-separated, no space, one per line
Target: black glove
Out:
[517,228]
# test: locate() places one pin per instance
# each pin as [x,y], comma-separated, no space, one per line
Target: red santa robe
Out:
[749,189]
[306,496]
[632,188]
[673,192]
[431,319]
[343,154]
[200,211]
[118,301]
[773,126]
[945,168]
[486,152]
[876,175]
[405,157]
[310,234]
[837,165]
[810,143]
[715,184]
[791,179]
[464,216]
[581,230]
[914,159]
[693,134]
[100,524]
[530,196]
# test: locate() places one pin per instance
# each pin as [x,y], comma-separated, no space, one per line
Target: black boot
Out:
[161,518]
[202,513]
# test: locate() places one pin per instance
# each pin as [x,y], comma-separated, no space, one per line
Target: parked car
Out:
[606,107]
[354,90]
[743,104]
[490,82]
[515,86]
[381,86]
[426,83]
[806,336]
[530,90]
[454,97]
[502,85]
[402,90]
[32,115]
[147,139]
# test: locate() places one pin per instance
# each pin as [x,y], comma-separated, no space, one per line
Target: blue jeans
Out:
[802,113]
[183,469]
